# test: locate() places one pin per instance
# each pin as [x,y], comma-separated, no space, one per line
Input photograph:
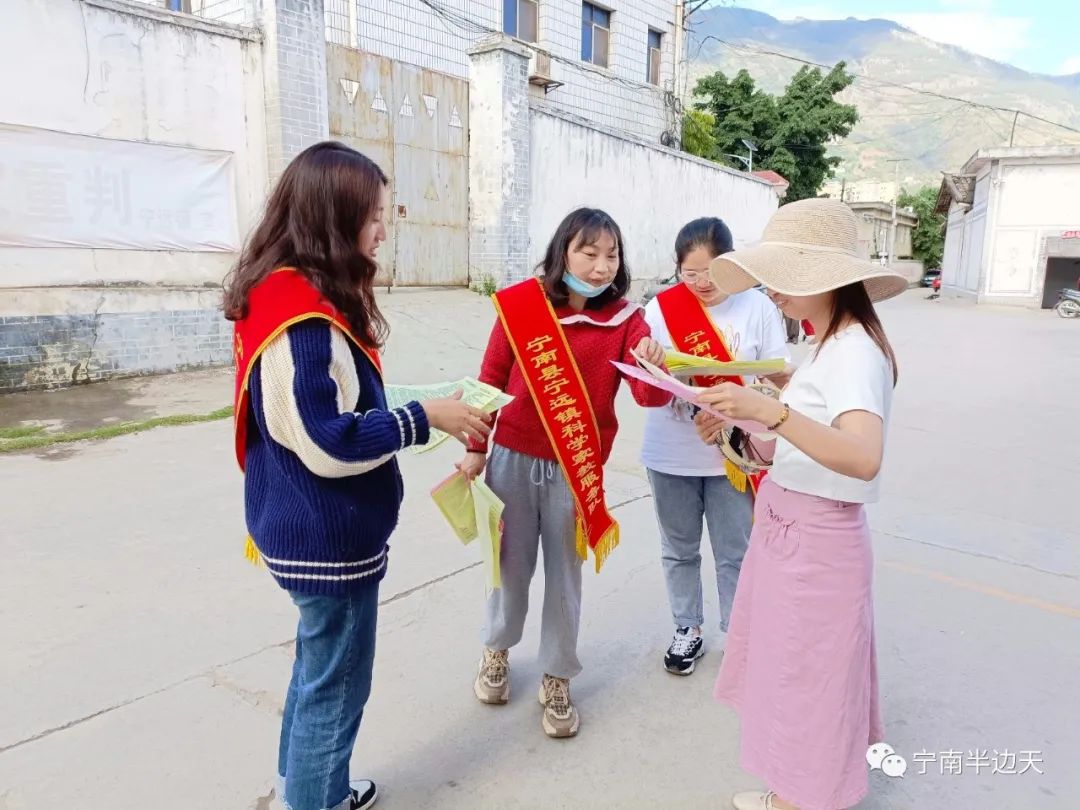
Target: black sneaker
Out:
[685,650]
[364,794]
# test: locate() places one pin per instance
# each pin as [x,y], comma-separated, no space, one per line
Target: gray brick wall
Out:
[296,105]
[53,351]
[499,164]
[517,191]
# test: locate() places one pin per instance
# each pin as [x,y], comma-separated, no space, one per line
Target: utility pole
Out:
[680,49]
[1013,133]
[682,15]
[684,9]
[896,193]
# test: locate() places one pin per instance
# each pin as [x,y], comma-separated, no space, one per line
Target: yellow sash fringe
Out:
[251,551]
[735,476]
[608,543]
[582,541]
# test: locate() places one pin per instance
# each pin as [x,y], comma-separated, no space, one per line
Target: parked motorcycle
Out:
[1068,305]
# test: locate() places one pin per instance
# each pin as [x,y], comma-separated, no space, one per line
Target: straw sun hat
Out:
[808,247]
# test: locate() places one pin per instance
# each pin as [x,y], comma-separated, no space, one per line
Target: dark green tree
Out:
[739,110]
[697,134]
[792,131]
[928,239]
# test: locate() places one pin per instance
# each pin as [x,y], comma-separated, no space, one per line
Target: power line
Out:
[986,122]
[474,28]
[673,104]
[697,7]
[956,105]
[920,126]
[465,23]
[863,116]
[938,116]
[912,106]
[955,132]
[885,82]
[1008,123]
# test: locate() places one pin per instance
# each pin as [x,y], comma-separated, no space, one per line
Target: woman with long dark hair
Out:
[800,667]
[316,440]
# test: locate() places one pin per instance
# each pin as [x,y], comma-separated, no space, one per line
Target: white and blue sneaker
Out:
[686,648]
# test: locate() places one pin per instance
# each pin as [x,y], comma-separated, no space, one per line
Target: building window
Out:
[652,67]
[595,34]
[520,18]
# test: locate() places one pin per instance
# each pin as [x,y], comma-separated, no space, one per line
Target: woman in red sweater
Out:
[552,350]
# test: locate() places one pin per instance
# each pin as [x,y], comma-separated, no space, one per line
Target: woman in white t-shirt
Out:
[689,483]
[800,667]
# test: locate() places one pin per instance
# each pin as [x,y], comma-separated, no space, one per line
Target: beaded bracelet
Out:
[783,418]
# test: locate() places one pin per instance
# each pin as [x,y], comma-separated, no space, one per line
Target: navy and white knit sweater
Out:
[322,489]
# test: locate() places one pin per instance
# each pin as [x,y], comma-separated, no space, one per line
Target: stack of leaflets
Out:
[480,395]
[473,511]
[681,364]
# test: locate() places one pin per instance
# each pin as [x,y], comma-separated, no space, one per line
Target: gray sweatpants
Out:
[539,512]
[681,503]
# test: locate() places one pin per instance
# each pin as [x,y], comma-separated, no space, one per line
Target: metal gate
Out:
[414,124]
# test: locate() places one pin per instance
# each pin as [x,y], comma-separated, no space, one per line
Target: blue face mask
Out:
[583,288]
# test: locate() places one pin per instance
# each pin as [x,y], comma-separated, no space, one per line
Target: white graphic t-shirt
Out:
[752,326]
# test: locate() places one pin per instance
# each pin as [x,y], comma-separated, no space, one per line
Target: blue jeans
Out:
[682,504]
[331,682]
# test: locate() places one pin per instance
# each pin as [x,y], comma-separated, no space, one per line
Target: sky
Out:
[1042,36]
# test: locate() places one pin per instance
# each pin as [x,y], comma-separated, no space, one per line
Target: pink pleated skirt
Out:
[800,666]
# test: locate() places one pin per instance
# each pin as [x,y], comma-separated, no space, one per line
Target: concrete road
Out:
[145,662]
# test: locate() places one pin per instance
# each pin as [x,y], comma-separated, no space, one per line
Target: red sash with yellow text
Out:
[694,332]
[558,390]
[283,298]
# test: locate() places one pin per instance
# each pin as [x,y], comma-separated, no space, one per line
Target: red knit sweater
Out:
[596,337]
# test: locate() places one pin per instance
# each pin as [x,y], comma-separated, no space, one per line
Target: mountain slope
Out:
[931,134]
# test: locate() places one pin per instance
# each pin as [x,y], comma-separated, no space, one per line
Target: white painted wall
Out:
[996,251]
[961,265]
[952,271]
[1032,200]
[975,238]
[650,191]
[131,73]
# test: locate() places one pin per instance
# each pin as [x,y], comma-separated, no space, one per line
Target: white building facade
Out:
[132,170]
[1013,229]
[612,63]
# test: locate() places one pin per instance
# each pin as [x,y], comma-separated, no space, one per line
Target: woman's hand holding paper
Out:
[742,403]
[651,351]
[708,426]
